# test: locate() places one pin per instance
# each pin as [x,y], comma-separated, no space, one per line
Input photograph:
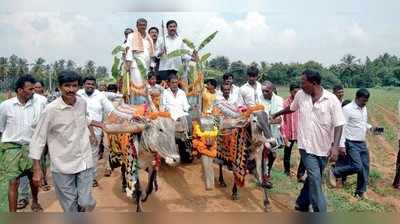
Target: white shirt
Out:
[234,96]
[64,129]
[177,105]
[172,43]
[97,106]
[317,121]
[251,95]
[143,56]
[112,96]
[42,99]
[17,121]
[273,106]
[356,123]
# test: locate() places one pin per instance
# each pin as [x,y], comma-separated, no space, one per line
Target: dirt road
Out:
[181,189]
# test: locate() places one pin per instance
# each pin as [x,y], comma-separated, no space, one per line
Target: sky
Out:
[272,31]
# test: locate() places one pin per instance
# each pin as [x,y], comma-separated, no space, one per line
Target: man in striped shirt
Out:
[289,129]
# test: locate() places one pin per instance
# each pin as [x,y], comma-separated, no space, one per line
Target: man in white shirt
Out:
[226,102]
[251,95]
[234,95]
[23,191]
[125,45]
[18,118]
[172,42]
[272,103]
[174,100]
[63,126]
[320,123]
[155,62]
[250,92]
[354,141]
[97,107]
[140,48]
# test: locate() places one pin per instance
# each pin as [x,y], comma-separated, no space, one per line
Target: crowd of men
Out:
[65,129]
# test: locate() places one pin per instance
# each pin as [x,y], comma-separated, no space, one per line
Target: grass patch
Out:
[2,97]
[374,178]
[283,184]
[339,201]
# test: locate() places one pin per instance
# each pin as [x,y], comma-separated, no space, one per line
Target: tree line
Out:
[350,71]
[13,67]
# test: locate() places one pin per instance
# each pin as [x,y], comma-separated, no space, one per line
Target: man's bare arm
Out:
[334,151]
[37,173]
[282,112]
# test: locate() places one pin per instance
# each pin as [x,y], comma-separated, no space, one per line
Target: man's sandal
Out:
[36,208]
[22,203]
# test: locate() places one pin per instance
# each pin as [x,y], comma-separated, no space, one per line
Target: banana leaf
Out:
[180,72]
[115,69]
[117,50]
[189,43]
[204,58]
[191,74]
[177,53]
[207,40]
[142,68]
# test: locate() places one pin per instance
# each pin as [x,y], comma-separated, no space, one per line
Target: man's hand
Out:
[93,140]
[97,124]
[342,151]
[127,65]
[162,52]
[195,56]
[37,177]
[333,153]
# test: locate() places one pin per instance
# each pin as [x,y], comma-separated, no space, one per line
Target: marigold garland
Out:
[155,115]
[252,109]
[201,138]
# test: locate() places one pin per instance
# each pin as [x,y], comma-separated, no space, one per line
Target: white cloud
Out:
[249,38]
[54,36]
[357,34]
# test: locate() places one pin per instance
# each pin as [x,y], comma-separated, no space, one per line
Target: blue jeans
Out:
[358,163]
[311,193]
[24,190]
[74,191]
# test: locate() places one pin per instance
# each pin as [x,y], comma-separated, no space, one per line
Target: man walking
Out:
[97,107]
[63,126]
[289,129]
[321,119]
[354,139]
[18,118]
[272,104]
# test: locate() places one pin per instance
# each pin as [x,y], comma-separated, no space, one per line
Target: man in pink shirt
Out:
[289,129]
[320,119]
